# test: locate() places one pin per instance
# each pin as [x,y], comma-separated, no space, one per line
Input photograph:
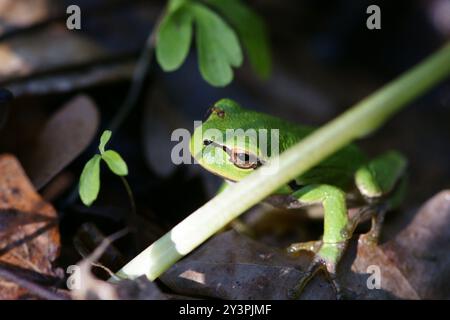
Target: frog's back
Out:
[338,169]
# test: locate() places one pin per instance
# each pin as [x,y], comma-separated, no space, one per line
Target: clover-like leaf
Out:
[104,139]
[90,181]
[174,39]
[251,31]
[217,44]
[115,163]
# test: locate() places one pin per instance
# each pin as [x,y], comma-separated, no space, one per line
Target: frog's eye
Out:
[216,110]
[244,160]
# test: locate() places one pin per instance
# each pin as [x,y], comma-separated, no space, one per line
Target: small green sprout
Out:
[90,177]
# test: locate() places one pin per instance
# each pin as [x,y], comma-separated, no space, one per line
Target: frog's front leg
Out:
[329,251]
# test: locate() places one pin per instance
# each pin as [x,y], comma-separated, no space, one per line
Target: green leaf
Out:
[218,46]
[104,139]
[115,163]
[174,5]
[174,39]
[90,181]
[251,30]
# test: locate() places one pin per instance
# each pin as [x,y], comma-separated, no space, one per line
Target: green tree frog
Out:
[345,178]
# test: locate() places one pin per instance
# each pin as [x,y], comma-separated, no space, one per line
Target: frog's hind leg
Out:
[381,181]
[329,251]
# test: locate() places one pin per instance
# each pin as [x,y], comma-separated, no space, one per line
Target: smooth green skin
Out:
[327,184]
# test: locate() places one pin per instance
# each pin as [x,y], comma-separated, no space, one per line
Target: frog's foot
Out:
[326,260]
[335,235]
[376,213]
[373,235]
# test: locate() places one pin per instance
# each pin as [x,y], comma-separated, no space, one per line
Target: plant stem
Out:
[132,219]
[130,195]
[358,121]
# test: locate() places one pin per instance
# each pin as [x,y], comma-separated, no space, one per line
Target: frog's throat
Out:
[220,175]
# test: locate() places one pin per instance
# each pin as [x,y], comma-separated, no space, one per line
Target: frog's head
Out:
[224,145]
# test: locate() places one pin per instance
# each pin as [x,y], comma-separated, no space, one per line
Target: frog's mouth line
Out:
[217,145]
[221,176]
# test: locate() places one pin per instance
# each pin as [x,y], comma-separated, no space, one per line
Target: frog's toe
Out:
[368,239]
[326,260]
[316,265]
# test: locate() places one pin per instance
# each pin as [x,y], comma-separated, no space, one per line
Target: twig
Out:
[94,256]
[32,287]
[97,253]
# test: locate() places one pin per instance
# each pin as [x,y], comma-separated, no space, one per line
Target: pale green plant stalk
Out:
[363,118]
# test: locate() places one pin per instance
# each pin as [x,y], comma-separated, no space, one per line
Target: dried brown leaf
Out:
[29,237]
[19,14]
[414,264]
[63,137]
